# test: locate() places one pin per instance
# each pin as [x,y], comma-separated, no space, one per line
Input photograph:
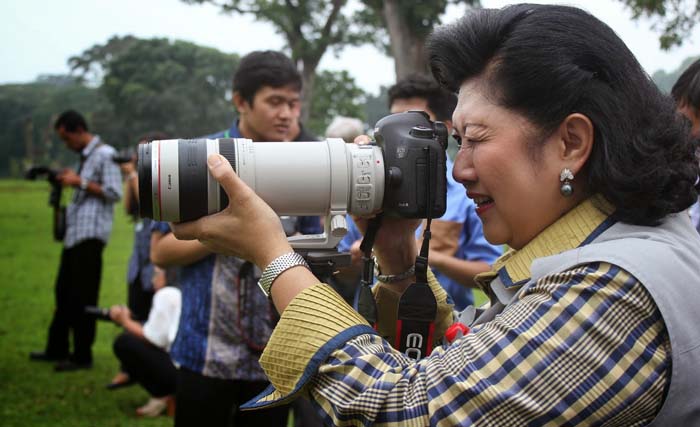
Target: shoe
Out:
[154,407]
[42,356]
[120,380]
[69,366]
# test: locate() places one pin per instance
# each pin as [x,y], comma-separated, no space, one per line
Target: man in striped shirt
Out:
[89,217]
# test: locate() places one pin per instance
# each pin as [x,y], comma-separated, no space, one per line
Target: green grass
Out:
[30,392]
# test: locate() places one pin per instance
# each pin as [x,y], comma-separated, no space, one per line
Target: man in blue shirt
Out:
[89,217]
[686,93]
[458,249]
[225,320]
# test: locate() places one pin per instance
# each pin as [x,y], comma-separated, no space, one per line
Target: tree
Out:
[665,81]
[401,28]
[91,64]
[177,87]
[310,28]
[336,94]
[27,114]
[674,18]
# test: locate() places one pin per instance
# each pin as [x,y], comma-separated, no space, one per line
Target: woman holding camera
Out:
[580,165]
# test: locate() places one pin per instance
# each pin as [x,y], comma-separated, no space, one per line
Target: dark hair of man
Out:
[686,91]
[440,101]
[71,121]
[546,62]
[264,68]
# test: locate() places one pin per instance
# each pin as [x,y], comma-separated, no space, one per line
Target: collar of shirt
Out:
[578,227]
[90,147]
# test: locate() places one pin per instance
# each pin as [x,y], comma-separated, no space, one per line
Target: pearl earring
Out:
[565,177]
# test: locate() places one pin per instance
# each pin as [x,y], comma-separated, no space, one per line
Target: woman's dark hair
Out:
[546,62]
[686,90]
[264,68]
[440,101]
[71,121]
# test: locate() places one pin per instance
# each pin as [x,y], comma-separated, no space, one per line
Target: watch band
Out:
[84,184]
[279,265]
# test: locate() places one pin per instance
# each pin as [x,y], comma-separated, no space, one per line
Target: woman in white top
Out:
[143,349]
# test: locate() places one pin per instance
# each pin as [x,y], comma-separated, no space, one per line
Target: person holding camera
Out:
[581,166]
[225,322]
[458,249]
[143,349]
[88,225]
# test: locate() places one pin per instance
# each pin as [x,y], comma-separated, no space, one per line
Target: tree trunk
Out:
[408,51]
[308,77]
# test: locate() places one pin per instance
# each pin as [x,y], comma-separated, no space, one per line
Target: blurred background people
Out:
[143,349]
[686,93]
[140,269]
[346,128]
[97,187]
[225,321]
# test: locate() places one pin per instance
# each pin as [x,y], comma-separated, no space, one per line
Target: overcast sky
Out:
[37,37]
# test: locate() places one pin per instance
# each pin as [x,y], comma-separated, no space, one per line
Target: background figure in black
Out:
[89,217]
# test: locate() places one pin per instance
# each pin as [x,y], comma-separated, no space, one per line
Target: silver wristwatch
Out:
[279,265]
[84,184]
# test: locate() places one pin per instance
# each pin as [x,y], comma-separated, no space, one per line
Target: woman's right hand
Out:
[247,228]
[394,244]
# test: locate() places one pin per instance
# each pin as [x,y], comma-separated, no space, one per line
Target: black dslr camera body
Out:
[52,177]
[59,212]
[415,165]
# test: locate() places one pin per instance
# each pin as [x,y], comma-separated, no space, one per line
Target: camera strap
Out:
[366,305]
[415,325]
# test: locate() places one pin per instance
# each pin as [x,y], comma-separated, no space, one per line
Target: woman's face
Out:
[517,193]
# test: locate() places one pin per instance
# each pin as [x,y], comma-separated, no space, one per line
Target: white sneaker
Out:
[153,408]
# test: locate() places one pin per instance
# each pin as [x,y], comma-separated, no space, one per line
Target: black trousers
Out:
[214,402]
[147,364]
[77,285]
[139,301]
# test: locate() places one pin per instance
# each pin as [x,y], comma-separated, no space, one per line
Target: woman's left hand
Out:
[248,228]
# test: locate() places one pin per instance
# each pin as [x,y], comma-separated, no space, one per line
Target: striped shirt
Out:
[586,346]
[89,216]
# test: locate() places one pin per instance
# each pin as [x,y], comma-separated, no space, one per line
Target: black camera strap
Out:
[366,305]
[415,325]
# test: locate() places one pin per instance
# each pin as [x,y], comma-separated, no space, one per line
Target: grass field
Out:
[31,394]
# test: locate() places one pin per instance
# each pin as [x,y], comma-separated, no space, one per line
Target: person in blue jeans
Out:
[458,249]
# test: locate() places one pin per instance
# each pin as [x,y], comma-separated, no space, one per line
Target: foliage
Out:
[91,64]
[400,29]
[675,19]
[336,94]
[665,81]
[310,28]
[377,106]
[177,87]
[27,113]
